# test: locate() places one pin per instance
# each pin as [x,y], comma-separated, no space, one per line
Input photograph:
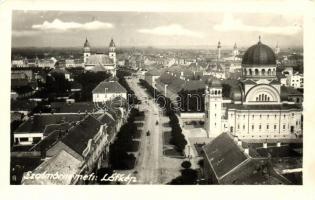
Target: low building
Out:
[295,80]
[151,77]
[34,129]
[107,90]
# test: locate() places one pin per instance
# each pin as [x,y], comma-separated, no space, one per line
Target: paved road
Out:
[151,146]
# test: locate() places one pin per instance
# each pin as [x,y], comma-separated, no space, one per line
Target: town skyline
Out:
[148,29]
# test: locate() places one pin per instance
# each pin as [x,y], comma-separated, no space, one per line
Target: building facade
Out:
[254,109]
[100,61]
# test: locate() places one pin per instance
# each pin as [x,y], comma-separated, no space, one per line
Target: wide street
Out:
[150,151]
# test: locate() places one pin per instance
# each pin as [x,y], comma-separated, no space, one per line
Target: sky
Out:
[156,29]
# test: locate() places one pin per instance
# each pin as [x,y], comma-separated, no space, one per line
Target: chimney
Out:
[278,144]
[265,145]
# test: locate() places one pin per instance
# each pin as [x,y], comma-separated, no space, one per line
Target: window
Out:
[244,116]
[283,116]
[238,126]
[297,123]
[267,116]
[243,127]
[292,114]
[23,139]
[267,127]
[275,126]
[253,116]
[283,126]
[275,116]
[215,115]
[259,127]
[253,127]
[260,116]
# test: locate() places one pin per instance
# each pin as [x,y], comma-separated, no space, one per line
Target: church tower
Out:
[112,54]
[219,50]
[277,49]
[235,51]
[213,108]
[112,51]
[86,50]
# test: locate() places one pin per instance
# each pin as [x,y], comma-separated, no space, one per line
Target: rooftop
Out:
[223,154]
[109,87]
[38,123]
[78,136]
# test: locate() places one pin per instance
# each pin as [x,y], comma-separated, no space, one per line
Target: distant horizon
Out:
[166,30]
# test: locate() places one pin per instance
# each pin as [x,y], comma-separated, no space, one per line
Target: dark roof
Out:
[248,81]
[21,105]
[259,54]
[111,87]
[78,136]
[56,127]
[80,107]
[215,83]
[275,82]
[223,154]
[38,123]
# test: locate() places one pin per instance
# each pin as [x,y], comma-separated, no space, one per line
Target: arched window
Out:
[256,72]
[215,92]
[263,72]
[219,91]
[250,72]
[262,97]
[269,72]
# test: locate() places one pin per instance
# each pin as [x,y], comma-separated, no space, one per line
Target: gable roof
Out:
[223,154]
[63,163]
[99,59]
[111,87]
[78,136]
[38,123]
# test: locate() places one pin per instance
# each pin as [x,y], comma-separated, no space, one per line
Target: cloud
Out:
[231,24]
[24,33]
[171,30]
[58,25]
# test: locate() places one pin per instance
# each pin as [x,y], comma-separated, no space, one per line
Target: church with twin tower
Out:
[255,107]
[100,61]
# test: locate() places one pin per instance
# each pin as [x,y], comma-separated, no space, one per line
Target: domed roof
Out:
[259,54]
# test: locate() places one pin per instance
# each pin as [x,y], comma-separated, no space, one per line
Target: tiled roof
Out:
[223,154]
[63,163]
[78,136]
[111,87]
[78,107]
[38,123]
